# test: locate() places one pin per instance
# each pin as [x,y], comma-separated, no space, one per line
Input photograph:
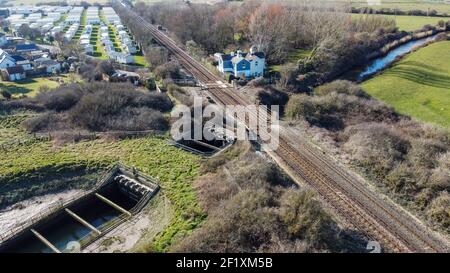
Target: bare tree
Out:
[157,56]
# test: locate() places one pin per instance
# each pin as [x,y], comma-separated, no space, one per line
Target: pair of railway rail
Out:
[351,199]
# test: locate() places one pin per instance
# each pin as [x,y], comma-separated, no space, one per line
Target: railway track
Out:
[351,199]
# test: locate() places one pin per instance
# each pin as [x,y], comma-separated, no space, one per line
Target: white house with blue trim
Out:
[241,64]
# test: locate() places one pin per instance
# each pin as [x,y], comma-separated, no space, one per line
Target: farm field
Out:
[411,23]
[419,85]
[406,5]
[23,166]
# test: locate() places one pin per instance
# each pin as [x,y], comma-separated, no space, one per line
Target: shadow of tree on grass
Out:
[421,74]
[19,87]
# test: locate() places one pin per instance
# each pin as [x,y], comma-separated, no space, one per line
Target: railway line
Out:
[351,199]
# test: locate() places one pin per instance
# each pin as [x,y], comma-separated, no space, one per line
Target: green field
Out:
[21,164]
[407,5]
[293,58]
[29,87]
[411,23]
[419,85]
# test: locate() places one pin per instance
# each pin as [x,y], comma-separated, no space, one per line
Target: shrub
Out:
[39,123]
[156,56]
[271,96]
[252,207]
[240,225]
[439,210]
[341,87]
[377,147]
[120,110]
[150,84]
[180,94]
[334,111]
[304,218]
[87,71]
[257,82]
[167,70]
[5,94]
[402,180]
[424,152]
[61,98]
[99,106]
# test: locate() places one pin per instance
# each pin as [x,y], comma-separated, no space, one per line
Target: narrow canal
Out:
[64,228]
[379,64]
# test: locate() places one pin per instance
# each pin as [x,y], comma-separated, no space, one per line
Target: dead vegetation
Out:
[96,107]
[407,159]
[253,207]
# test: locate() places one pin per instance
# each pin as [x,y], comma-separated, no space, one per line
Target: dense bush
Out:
[61,98]
[100,107]
[272,97]
[93,69]
[40,123]
[180,94]
[335,110]
[252,207]
[407,159]
[340,87]
[4,94]
[439,210]
[167,70]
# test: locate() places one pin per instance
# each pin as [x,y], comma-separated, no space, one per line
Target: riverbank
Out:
[418,85]
[389,54]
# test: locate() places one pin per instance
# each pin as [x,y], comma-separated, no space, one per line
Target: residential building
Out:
[6,60]
[240,64]
[25,64]
[4,13]
[124,58]
[88,49]
[15,73]
[3,40]
[26,48]
[51,66]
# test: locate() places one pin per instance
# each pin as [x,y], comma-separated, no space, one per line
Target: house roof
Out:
[26,47]
[243,55]
[225,57]
[49,62]
[260,55]
[18,58]
[4,55]
[238,59]
[15,70]
[23,62]
[124,73]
